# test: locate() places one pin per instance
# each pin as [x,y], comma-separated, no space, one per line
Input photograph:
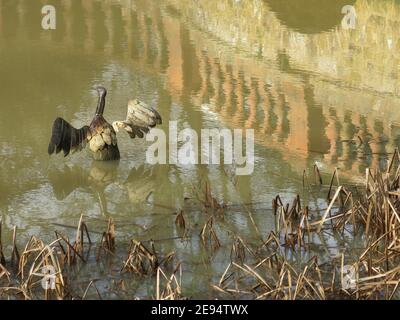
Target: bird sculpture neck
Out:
[101,103]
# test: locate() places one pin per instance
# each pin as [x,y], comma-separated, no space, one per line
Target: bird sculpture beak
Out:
[115,126]
[99,89]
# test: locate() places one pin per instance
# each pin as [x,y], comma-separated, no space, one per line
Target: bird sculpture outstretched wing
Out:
[139,120]
[66,138]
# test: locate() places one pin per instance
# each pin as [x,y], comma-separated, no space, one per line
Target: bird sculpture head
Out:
[102,100]
[101,91]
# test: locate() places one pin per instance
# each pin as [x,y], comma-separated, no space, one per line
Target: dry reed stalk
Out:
[82,229]
[92,284]
[143,261]
[328,210]
[2,258]
[169,287]
[4,273]
[15,253]
[71,253]
[209,236]
[211,202]
[180,220]
[107,242]
[44,260]
[317,175]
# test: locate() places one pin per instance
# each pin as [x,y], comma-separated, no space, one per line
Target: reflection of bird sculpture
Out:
[139,185]
[101,135]
[100,175]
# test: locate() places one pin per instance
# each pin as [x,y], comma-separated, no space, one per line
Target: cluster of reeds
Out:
[107,242]
[265,272]
[292,222]
[40,270]
[142,260]
[169,287]
[183,225]
[70,252]
[209,202]
[281,265]
[374,214]
[38,266]
[209,236]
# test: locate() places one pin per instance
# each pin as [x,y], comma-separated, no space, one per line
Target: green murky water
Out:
[311,90]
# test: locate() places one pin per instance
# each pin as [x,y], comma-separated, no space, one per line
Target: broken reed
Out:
[213,210]
[210,204]
[142,260]
[169,287]
[107,242]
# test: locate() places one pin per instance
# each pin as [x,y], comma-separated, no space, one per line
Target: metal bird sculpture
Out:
[100,135]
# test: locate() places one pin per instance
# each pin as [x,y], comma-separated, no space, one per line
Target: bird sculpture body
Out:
[101,135]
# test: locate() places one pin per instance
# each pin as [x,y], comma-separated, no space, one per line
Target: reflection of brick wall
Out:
[366,58]
[299,126]
[174,71]
[295,111]
[275,105]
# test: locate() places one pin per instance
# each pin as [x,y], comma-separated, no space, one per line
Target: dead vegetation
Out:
[169,287]
[143,261]
[208,201]
[41,271]
[107,242]
[284,264]
[209,236]
[265,272]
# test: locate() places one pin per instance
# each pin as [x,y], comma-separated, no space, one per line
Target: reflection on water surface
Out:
[312,92]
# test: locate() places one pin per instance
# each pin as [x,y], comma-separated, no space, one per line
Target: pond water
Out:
[313,91]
